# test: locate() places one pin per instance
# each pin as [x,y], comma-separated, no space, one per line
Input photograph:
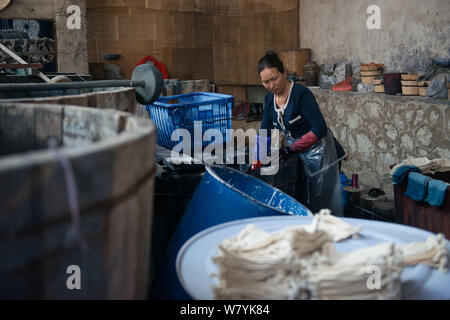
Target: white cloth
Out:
[426,165]
[300,262]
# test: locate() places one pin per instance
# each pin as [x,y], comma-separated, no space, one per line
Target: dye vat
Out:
[110,155]
[223,195]
[173,191]
[121,99]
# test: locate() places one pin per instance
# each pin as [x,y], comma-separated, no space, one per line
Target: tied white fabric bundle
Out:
[332,275]
[426,165]
[300,262]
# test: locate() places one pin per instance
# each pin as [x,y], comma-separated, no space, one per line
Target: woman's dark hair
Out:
[270,60]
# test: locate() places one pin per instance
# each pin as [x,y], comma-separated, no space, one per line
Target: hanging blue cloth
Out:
[401,172]
[436,192]
[417,186]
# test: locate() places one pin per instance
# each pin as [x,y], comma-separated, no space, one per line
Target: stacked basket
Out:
[423,87]
[378,85]
[370,72]
[410,86]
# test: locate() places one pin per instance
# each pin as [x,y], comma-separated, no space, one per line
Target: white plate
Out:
[194,261]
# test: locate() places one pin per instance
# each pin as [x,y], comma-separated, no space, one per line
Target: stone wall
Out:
[379,130]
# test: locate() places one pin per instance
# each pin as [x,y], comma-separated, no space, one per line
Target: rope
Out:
[281,109]
[73,234]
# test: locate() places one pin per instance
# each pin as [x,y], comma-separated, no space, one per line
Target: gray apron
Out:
[323,188]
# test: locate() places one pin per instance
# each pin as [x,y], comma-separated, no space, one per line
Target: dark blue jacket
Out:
[301,115]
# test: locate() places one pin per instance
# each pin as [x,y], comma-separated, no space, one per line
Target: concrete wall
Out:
[378,130]
[412,32]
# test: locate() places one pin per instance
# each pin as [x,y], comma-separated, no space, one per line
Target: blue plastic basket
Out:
[181,111]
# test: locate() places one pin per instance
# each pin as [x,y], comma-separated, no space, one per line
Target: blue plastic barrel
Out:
[344,183]
[223,195]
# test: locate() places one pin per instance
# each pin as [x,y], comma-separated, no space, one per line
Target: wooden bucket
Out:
[410,91]
[377,82]
[409,83]
[371,66]
[370,73]
[202,85]
[111,155]
[423,91]
[367,80]
[187,86]
[410,77]
[379,88]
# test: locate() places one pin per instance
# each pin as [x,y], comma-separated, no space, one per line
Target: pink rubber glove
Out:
[304,143]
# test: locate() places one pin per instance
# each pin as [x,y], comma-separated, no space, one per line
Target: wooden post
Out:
[72,43]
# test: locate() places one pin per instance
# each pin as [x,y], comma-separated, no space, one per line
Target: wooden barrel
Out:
[122,99]
[419,213]
[173,192]
[111,155]
[187,86]
[202,85]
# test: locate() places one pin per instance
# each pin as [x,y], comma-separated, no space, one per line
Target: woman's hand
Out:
[285,154]
[256,164]
[261,143]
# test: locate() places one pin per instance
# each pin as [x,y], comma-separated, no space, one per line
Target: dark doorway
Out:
[33,29]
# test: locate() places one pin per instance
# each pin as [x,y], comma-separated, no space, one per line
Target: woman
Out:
[293,110]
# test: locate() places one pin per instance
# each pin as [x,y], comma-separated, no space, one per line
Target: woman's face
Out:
[273,80]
